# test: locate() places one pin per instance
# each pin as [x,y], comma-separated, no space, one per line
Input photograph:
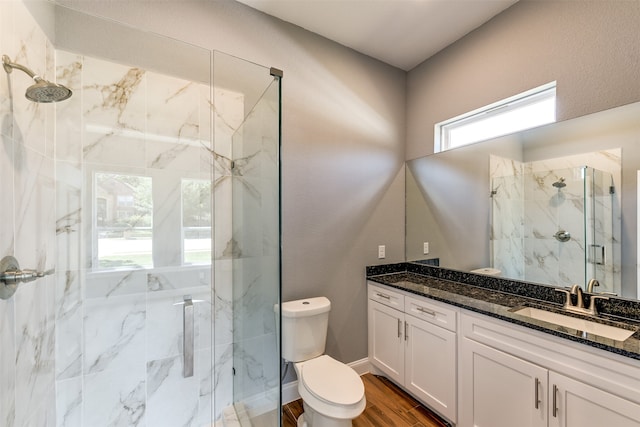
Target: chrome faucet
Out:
[577,291]
[579,307]
[568,303]
[593,283]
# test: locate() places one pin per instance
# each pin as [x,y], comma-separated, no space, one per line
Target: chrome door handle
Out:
[399,328]
[187,338]
[188,342]
[555,401]
[385,296]
[406,331]
[537,394]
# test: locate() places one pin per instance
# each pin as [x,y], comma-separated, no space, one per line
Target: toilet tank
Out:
[304,328]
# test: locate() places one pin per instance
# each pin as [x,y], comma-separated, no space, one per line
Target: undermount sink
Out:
[579,324]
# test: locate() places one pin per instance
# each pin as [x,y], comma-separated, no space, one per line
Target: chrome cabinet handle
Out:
[406,331]
[11,276]
[426,311]
[399,328]
[385,296]
[537,394]
[555,401]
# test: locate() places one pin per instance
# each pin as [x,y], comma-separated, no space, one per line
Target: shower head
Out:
[42,90]
[45,91]
[559,183]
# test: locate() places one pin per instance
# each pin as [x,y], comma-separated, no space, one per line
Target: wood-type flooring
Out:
[387,405]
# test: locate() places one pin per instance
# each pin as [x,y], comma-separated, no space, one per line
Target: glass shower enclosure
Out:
[154,194]
[247,265]
[553,225]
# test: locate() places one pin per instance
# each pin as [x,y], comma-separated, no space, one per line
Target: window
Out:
[125,200]
[196,221]
[533,108]
[124,213]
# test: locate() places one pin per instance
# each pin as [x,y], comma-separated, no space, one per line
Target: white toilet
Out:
[332,392]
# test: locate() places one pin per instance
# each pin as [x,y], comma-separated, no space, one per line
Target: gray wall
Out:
[342,155]
[591,48]
[344,118]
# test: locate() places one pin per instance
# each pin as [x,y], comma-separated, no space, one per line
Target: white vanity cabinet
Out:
[386,334]
[479,371]
[499,390]
[509,377]
[412,340]
[581,405]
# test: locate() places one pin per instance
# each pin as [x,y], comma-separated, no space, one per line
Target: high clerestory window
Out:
[526,110]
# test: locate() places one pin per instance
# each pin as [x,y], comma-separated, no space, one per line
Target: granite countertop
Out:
[482,299]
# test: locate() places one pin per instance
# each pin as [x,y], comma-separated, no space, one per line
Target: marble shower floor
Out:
[387,405]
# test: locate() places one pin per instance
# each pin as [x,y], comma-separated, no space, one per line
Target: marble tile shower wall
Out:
[507,216]
[27,226]
[528,211]
[118,333]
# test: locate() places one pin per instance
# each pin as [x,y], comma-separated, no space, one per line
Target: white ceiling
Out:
[402,33]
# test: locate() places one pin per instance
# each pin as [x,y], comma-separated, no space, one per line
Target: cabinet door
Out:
[430,365]
[580,405]
[500,390]
[386,349]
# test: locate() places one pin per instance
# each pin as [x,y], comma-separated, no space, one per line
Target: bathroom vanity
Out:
[405,331]
[460,344]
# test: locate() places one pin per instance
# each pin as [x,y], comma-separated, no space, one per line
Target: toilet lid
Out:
[332,381]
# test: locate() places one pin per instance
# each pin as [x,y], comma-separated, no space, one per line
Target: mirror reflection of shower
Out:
[43,91]
[556,220]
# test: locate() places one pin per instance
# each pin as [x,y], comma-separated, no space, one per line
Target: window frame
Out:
[443,129]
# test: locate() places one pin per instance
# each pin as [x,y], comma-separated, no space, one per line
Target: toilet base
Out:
[311,418]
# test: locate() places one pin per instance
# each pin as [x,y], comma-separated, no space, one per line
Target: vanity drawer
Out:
[432,312]
[387,297]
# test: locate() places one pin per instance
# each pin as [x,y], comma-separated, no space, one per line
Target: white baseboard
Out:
[290,390]
[361,366]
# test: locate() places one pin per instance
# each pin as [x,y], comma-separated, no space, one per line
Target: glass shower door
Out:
[247,192]
[599,209]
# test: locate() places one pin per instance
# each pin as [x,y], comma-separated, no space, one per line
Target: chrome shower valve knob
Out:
[20,276]
[11,276]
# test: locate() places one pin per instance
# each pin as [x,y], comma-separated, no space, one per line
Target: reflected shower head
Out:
[42,90]
[559,183]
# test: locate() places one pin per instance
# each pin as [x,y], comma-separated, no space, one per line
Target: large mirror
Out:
[508,203]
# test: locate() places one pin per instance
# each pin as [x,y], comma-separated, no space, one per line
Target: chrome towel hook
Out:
[11,276]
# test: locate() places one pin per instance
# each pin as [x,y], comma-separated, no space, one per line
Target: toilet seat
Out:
[331,387]
[331,381]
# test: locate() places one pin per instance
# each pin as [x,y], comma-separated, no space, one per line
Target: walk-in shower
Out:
[554,224]
[164,259]
[43,90]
